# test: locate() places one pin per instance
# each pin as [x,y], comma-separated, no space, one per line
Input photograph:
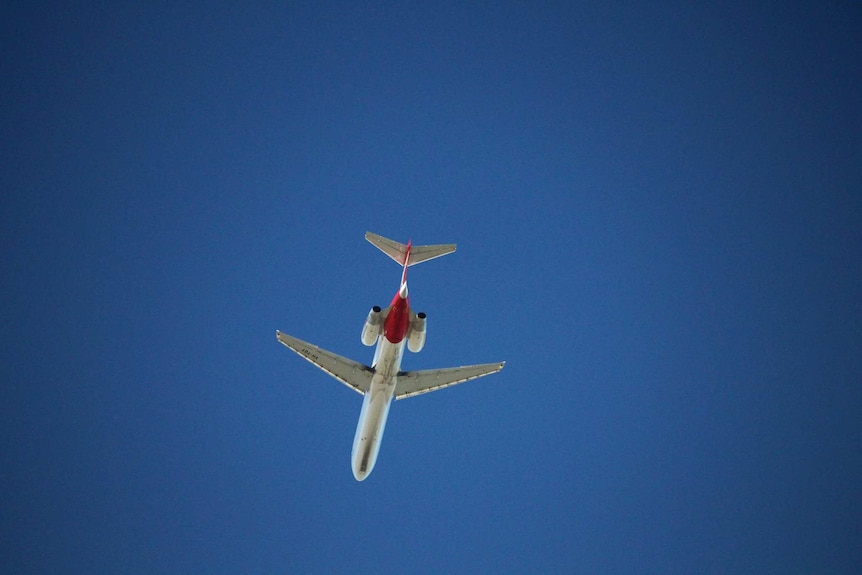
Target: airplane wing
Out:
[412,383]
[351,373]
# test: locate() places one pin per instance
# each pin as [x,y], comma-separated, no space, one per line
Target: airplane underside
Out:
[392,329]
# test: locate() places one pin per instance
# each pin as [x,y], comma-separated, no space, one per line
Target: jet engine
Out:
[371,329]
[416,338]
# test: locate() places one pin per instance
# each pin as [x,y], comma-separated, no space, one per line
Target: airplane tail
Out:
[408,254]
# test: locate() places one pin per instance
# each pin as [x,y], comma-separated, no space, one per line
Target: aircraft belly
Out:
[375,407]
[369,429]
[387,358]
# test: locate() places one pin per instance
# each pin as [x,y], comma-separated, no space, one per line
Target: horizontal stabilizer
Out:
[410,383]
[418,254]
[351,373]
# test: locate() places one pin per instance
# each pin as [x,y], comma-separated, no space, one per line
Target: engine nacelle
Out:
[371,329]
[416,338]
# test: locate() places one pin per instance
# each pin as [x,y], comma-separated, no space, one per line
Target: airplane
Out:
[392,329]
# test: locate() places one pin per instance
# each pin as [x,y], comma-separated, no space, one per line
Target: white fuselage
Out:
[375,406]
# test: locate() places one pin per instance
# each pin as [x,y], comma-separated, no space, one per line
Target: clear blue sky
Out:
[659,219]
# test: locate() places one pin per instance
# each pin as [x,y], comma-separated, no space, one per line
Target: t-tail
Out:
[408,255]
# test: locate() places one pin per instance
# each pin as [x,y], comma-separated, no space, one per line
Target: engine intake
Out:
[416,338]
[371,329]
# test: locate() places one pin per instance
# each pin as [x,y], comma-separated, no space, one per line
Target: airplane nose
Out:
[363,460]
[361,469]
[403,291]
[360,475]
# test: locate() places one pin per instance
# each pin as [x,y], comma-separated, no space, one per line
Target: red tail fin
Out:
[406,262]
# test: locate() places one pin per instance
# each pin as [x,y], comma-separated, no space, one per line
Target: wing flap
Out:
[351,373]
[412,383]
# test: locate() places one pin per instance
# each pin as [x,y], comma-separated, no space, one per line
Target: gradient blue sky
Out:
[659,218]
